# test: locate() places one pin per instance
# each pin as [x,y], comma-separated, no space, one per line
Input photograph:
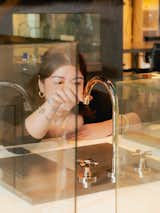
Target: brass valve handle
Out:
[87,163]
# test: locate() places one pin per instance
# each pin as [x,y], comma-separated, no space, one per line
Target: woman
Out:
[61,89]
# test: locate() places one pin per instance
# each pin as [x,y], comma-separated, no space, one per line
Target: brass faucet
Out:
[115,113]
[88,176]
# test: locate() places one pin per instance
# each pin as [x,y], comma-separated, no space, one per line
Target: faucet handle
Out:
[141,166]
[147,153]
[136,153]
[88,177]
[141,153]
[88,162]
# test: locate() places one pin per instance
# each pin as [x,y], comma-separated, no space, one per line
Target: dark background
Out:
[111,24]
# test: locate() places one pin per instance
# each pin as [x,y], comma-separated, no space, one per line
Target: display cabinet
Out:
[32,172]
[49,174]
[58,174]
[19,67]
[138,169]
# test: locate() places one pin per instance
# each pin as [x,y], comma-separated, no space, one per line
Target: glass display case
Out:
[138,180]
[57,173]
[52,173]
[33,172]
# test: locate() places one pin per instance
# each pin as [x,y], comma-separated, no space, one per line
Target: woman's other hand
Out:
[94,131]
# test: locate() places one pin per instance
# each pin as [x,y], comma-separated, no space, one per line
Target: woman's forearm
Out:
[38,122]
[127,120]
[46,121]
[105,128]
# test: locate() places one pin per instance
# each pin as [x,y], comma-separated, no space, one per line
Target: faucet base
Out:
[87,181]
[142,172]
[111,175]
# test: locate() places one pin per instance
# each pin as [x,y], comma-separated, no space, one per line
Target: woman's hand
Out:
[63,101]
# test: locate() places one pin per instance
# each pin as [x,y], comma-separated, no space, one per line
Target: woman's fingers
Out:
[74,95]
[64,100]
[67,95]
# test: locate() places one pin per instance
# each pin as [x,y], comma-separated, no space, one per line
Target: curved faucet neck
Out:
[115,113]
[21,90]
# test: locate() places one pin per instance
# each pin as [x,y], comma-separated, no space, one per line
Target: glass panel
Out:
[95,158]
[49,172]
[37,163]
[64,27]
[138,151]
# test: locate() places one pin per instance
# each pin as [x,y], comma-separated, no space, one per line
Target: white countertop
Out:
[136,199]
[142,198]
[52,144]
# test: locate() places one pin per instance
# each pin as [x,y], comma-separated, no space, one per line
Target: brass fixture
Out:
[88,177]
[108,85]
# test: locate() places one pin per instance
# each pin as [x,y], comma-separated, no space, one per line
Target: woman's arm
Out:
[66,126]
[95,130]
[127,120]
[54,117]
[37,124]
[104,129]
[44,122]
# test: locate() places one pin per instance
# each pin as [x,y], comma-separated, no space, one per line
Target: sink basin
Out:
[50,175]
[38,179]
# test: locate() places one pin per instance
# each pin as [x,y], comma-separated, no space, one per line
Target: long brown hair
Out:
[52,60]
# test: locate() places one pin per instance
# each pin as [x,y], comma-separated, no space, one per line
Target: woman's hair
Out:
[53,59]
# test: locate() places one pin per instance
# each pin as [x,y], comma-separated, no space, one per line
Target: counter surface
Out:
[142,198]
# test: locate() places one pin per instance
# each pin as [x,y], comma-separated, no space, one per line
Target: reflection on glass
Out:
[83,27]
[139,147]
[33,171]
[39,173]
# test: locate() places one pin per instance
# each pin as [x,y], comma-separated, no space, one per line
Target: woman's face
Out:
[64,77]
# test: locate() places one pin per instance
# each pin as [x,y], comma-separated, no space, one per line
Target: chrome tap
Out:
[115,113]
[21,90]
[141,168]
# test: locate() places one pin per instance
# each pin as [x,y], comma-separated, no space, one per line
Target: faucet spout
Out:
[21,90]
[110,88]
